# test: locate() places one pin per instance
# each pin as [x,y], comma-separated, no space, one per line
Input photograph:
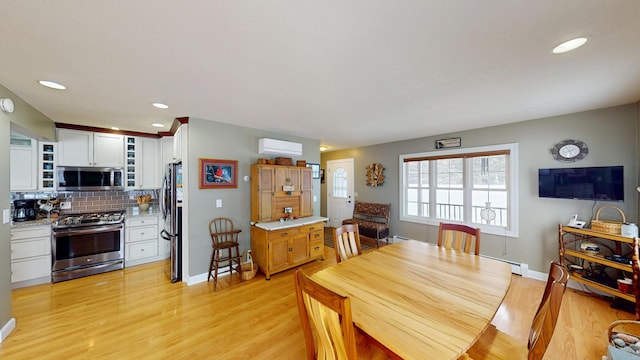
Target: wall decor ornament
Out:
[374,175]
[218,174]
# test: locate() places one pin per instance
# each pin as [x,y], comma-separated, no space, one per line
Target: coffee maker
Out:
[24,210]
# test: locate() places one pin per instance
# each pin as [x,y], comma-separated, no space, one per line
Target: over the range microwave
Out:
[89,178]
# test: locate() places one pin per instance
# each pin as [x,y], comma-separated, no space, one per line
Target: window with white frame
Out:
[473,186]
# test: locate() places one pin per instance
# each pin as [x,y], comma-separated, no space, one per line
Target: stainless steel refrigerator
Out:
[171,205]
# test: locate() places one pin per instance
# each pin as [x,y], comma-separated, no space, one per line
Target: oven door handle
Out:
[87,230]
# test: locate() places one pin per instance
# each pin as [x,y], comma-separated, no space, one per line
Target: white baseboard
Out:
[7,329]
[196,279]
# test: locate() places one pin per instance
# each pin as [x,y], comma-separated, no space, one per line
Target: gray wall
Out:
[29,121]
[612,137]
[213,140]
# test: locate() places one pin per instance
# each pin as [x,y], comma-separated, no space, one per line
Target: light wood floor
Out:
[137,314]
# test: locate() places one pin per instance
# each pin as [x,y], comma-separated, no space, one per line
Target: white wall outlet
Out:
[6,216]
[65,205]
[218,203]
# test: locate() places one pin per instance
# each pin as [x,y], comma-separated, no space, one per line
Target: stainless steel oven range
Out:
[87,244]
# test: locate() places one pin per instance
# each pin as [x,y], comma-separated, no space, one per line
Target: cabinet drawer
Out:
[32,268]
[33,247]
[284,233]
[140,221]
[141,250]
[31,232]
[316,248]
[316,236]
[312,228]
[142,233]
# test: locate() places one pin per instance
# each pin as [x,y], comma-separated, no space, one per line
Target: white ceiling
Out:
[348,72]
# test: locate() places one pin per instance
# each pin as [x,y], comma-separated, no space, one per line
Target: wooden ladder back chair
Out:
[346,240]
[459,237]
[494,344]
[329,315]
[223,237]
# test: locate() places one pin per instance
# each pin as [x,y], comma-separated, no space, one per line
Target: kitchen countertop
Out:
[30,223]
[135,212]
[130,213]
[277,225]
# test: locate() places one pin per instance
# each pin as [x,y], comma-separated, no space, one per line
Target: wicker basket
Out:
[248,267]
[608,226]
[615,351]
[284,161]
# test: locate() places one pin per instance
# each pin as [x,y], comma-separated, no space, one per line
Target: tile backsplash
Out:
[92,201]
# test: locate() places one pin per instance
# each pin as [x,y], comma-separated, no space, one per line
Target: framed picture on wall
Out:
[315,170]
[218,174]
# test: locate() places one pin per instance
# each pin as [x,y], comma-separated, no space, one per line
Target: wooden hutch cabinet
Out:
[280,245]
[570,240]
[274,188]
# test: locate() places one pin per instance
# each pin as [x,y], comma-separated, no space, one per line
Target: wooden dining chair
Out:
[459,237]
[346,240]
[223,237]
[328,315]
[494,344]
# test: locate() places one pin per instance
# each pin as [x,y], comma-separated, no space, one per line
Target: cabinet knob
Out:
[290,249]
[284,234]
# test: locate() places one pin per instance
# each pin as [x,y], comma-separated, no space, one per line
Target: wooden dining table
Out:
[419,300]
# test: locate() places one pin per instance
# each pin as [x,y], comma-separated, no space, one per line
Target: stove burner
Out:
[77,220]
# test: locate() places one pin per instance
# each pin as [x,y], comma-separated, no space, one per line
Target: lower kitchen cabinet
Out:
[278,249]
[30,255]
[142,241]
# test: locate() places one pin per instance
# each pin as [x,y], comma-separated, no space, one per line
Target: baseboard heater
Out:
[516,267]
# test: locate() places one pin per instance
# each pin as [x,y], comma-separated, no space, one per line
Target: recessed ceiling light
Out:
[323,148]
[115,128]
[157,125]
[52,84]
[160,105]
[569,45]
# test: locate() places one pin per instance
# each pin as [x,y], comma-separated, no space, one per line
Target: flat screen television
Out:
[602,183]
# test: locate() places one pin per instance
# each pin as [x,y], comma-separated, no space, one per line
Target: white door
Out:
[340,198]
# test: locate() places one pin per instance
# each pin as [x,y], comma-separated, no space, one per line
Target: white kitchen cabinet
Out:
[23,165]
[85,148]
[143,163]
[180,143]
[166,145]
[30,255]
[142,243]
[149,164]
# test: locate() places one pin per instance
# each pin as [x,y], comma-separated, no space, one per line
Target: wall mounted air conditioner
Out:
[279,147]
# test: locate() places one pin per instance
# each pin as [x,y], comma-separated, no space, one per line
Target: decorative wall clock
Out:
[569,150]
[374,175]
